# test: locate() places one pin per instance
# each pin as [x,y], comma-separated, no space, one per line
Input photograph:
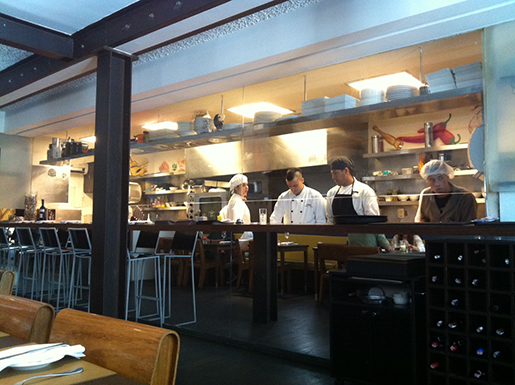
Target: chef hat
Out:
[237,180]
[436,167]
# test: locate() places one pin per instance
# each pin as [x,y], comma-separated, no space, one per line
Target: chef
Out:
[351,197]
[299,204]
[443,201]
[237,208]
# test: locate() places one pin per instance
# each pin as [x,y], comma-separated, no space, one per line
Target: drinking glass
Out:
[262,216]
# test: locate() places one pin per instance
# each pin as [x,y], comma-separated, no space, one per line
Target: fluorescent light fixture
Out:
[89,139]
[161,126]
[248,110]
[383,82]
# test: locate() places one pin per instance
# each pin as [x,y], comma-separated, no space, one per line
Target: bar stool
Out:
[143,253]
[55,259]
[81,248]
[29,260]
[183,246]
[7,250]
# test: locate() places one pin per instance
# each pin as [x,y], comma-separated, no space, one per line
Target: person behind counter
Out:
[237,208]
[299,204]
[352,197]
[410,241]
[443,201]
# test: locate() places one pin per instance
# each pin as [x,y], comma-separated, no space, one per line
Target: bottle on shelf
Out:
[480,351]
[497,354]
[434,365]
[458,281]
[43,211]
[454,324]
[475,282]
[456,345]
[480,329]
[500,331]
[434,279]
[479,373]
[455,302]
[439,323]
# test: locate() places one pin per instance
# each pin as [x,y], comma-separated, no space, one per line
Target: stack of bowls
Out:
[185,128]
[371,96]
[266,116]
[401,92]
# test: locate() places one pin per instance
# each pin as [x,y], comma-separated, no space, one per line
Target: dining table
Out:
[92,374]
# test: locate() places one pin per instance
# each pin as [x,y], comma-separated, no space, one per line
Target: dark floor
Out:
[225,347]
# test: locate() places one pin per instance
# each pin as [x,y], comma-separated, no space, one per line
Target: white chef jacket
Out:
[237,209]
[364,199]
[306,207]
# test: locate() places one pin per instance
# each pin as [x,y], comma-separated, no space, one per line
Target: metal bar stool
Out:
[57,266]
[183,246]
[29,263]
[137,260]
[81,266]
[7,250]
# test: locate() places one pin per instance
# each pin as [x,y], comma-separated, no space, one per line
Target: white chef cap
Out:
[237,180]
[436,167]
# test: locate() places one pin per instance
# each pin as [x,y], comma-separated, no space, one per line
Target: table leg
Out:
[315,259]
[306,270]
[282,271]
[264,304]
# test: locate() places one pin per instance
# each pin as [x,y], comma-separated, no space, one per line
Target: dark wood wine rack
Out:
[470,309]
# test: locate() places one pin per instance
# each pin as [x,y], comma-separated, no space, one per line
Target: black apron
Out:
[342,203]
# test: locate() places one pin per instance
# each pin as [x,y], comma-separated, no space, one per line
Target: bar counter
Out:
[265,241]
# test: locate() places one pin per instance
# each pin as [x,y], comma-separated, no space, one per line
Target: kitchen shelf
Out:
[176,208]
[414,203]
[353,116]
[182,191]
[421,150]
[156,175]
[387,178]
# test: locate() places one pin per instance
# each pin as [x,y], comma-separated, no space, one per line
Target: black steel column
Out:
[264,304]
[111,181]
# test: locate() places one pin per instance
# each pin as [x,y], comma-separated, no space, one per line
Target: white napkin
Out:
[34,354]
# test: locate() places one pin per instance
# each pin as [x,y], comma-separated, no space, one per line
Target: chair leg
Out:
[322,290]
[238,280]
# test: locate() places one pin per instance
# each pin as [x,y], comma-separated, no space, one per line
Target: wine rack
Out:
[470,309]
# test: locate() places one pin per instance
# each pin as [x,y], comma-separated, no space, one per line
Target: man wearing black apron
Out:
[351,197]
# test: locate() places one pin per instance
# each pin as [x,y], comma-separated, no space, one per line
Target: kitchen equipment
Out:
[375,296]
[206,204]
[377,144]
[428,134]
[219,118]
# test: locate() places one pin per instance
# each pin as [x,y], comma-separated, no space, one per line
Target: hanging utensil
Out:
[219,118]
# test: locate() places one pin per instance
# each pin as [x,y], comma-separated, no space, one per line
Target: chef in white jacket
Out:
[237,208]
[299,204]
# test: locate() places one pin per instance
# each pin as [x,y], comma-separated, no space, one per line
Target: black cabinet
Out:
[380,344]
[470,334]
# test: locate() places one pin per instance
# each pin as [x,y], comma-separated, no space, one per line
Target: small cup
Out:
[262,216]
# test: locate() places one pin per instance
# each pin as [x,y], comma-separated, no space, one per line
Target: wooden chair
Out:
[26,319]
[144,353]
[6,282]
[244,261]
[203,264]
[339,253]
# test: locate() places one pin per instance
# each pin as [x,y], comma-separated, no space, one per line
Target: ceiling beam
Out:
[34,38]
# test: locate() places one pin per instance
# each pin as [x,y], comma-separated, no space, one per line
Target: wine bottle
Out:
[480,329]
[480,351]
[455,302]
[453,324]
[434,279]
[456,345]
[479,373]
[496,354]
[43,212]
[500,331]
[495,308]
[458,281]
[439,323]
[434,365]
[475,282]
[437,257]
[459,258]
[437,345]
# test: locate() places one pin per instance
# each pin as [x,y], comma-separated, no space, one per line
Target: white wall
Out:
[15,160]
[317,35]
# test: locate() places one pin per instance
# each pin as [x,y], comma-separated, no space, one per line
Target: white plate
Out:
[37,364]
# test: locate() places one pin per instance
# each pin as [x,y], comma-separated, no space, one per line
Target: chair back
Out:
[242,247]
[6,282]
[184,242]
[50,238]
[25,238]
[144,353]
[340,253]
[80,241]
[26,319]
[147,242]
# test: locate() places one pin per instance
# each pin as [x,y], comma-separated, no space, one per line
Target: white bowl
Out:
[477,194]
[413,198]
[403,198]
[388,198]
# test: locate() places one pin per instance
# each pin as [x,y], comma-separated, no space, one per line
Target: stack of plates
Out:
[266,116]
[442,80]
[468,75]
[164,133]
[231,126]
[314,106]
[185,128]
[203,125]
[401,92]
[371,96]
[341,102]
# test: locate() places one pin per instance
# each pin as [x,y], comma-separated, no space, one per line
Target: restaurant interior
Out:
[159,98]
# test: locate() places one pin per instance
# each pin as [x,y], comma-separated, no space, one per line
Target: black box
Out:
[390,265]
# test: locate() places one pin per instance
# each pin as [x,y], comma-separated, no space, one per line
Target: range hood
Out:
[258,154]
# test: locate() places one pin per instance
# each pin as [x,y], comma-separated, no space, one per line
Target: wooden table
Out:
[283,249]
[92,374]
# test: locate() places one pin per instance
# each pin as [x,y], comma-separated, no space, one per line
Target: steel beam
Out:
[34,38]
[111,181]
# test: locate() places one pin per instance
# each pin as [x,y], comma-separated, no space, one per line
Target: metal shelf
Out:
[177,208]
[388,178]
[182,191]
[421,150]
[156,175]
